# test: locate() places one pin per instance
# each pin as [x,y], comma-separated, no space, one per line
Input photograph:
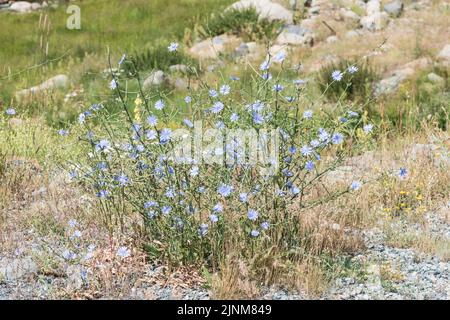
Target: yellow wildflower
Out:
[138,102]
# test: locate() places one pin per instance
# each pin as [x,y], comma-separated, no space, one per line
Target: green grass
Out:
[118,26]
[356,87]
[103,24]
[32,139]
[242,22]
[157,58]
[417,101]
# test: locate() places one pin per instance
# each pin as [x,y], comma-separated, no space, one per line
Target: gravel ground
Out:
[410,276]
[398,273]
[387,273]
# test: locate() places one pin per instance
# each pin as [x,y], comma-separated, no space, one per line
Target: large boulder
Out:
[60,81]
[266,9]
[295,35]
[155,79]
[394,8]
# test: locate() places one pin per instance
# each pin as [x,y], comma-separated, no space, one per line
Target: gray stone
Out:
[211,48]
[24,6]
[242,50]
[433,77]
[332,39]
[360,3]
[248,49]
[155,79]
[352,34]
[266,9]
[15,122]
[75,279]
[182,68]
[277,49]
[14,269]
[394,8]
[444,55]
[180,84]
[373,7]
[314,10]
[310,24]
[295,35]
[375,22]
[215,66]
[390,84]
[348,15]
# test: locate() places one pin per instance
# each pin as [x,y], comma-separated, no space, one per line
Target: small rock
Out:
[375,22]
[388,85]
[250,50]
[332,39]
[182,68]
[360,3]
[295,35]
[310,24]
[252,47]
[75,278]
[15,122]
[314,10]
[211,48]
[13,269]
[180,84]
[155,79]
[277,49]
[444,55]
[215,66]
[352,34]
[348,15]
[373,7]
[247,49]
[394,8]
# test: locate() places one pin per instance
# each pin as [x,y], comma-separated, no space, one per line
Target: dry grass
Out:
[424,243]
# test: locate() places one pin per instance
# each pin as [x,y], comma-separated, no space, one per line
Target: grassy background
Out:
[104,25]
